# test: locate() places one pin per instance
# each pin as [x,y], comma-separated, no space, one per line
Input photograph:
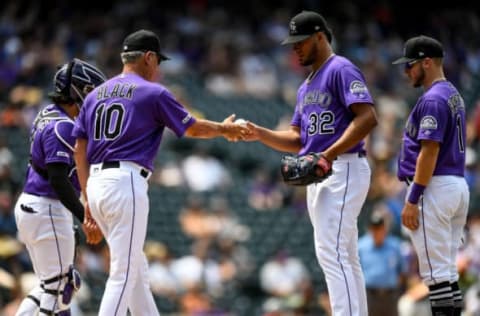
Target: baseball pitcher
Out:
[333,114]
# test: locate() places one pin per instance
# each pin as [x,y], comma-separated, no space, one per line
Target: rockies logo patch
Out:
[358,88]
[428,122]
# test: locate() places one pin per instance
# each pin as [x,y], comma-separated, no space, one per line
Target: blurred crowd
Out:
[227,52]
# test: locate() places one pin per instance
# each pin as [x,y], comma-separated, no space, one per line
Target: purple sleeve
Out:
[432,118]
[172,114]
[352,87]
[63,130]
[55,150]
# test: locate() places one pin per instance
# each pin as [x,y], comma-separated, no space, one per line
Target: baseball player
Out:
[43,212]
[333,114]
[432,162]
[118,132]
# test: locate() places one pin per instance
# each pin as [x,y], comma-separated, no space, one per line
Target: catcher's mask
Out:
[74,80]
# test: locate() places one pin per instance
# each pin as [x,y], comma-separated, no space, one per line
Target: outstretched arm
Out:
[287,140]
[209,129]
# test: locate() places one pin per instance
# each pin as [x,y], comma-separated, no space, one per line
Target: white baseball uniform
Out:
[123,122]
[323,114]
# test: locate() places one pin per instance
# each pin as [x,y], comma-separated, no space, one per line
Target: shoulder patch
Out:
[358,87]
[428,122]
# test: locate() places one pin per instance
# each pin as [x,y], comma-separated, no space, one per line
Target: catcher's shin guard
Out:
[63,286]
[64,313]
[73,285]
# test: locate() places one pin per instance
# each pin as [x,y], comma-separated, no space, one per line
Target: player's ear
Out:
[151,57]
[145,58]
[321,36]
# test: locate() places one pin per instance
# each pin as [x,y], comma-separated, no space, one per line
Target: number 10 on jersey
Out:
[108,121]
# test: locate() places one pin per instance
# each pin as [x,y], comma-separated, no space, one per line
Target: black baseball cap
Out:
[305,24]
[420,47]
[143,40]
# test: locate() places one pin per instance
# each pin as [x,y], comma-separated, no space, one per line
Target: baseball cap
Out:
[305,24]
[376,219]
[143,40]
[420,47]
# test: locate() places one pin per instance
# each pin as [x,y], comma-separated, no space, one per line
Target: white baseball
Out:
[240,121]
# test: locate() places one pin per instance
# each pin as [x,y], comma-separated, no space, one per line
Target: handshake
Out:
[239,129]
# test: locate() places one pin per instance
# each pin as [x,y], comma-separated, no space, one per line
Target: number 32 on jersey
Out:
[321,123]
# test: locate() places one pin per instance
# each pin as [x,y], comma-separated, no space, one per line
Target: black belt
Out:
[116,164]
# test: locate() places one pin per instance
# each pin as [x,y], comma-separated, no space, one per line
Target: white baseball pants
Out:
[334,206]
[119,204]
[45,226]
[443,214]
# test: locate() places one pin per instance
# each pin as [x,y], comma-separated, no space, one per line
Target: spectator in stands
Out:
[196,221]
[229,225]
[203,172]
[264,191]
[162,280]
[286,281]
[7,218]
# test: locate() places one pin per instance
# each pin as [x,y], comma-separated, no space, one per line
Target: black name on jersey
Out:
[124,90]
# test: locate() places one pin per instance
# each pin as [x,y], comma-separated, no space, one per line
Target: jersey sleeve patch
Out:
[358,88]
[428,122]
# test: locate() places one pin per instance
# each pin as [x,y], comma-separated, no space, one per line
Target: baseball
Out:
[240,121]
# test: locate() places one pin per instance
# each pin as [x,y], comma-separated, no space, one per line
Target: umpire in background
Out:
[432,163]
[382,265]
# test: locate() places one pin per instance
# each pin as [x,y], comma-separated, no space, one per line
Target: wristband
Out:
[415,193]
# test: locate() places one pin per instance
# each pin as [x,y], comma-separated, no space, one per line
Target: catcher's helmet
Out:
[74,80]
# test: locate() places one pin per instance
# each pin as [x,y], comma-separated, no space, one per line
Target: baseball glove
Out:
[304,170]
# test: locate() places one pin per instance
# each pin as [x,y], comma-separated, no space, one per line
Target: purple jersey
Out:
[50,141]
[439,115]
[322,111]
[124,119]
